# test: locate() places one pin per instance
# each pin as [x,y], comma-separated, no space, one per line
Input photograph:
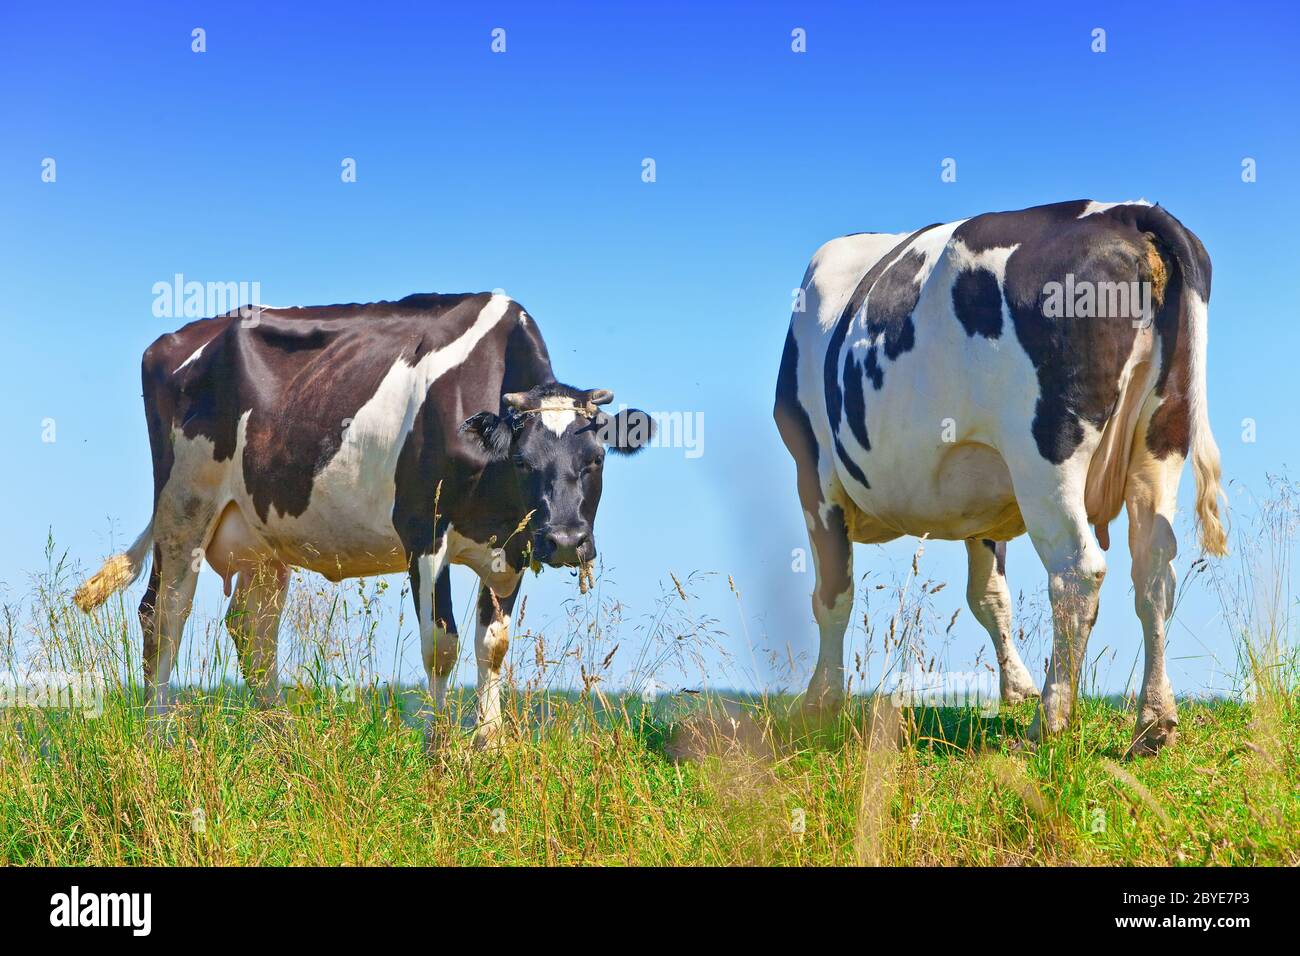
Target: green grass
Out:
[590,778]
[323,782]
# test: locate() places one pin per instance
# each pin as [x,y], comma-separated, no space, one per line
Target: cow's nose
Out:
[564,545]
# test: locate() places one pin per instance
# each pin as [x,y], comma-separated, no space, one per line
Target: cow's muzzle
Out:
[564,548]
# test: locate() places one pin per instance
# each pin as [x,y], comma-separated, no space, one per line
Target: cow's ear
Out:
[489,433]
[627,432]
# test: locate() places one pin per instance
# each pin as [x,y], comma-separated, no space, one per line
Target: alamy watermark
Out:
[53,690]
[1085,299]
[190,299]
[631,426]
[76,908]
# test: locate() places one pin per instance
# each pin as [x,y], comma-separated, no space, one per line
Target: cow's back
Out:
[319,412]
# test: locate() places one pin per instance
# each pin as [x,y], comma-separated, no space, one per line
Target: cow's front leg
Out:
[439,641]
[491,640]
[832,602]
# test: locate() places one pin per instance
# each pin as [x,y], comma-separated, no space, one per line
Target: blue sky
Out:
[522,170]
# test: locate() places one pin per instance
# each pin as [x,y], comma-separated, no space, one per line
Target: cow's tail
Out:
[1205,452]
[117,573]
[1193,320]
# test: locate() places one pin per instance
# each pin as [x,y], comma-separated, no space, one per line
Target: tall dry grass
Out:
[588,775]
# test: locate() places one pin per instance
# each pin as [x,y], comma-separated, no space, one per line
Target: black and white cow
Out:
[363,439]
[1018,371]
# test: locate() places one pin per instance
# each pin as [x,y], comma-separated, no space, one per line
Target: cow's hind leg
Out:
[1051,503]
[253,620]
[990,602]
[832,603]
[148,608]
[491,641]
[1150,495]
[828,535]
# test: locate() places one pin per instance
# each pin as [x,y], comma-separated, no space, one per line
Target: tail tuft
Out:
[117,573]
[1205,465]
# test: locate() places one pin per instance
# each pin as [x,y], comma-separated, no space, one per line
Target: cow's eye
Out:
[592,465]
[520,462]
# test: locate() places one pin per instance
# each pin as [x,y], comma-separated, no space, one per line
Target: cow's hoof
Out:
[1051,717]
[160,725]
[436,737]
[160,731]
[488,738]
[1150,736]
[821,712]
[1041,731]
[1018,687]
[1021,745]
[823,700]
[273,727]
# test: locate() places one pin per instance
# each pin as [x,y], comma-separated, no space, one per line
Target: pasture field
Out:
[328,782]
[339,773]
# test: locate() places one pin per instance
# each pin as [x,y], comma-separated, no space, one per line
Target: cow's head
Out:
[555,439]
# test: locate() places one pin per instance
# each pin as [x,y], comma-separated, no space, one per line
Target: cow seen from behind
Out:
[1017,372]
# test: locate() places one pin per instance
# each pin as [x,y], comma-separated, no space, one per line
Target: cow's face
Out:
[555,439]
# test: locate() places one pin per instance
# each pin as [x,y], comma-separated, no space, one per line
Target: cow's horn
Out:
[515,400]
[600,396]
